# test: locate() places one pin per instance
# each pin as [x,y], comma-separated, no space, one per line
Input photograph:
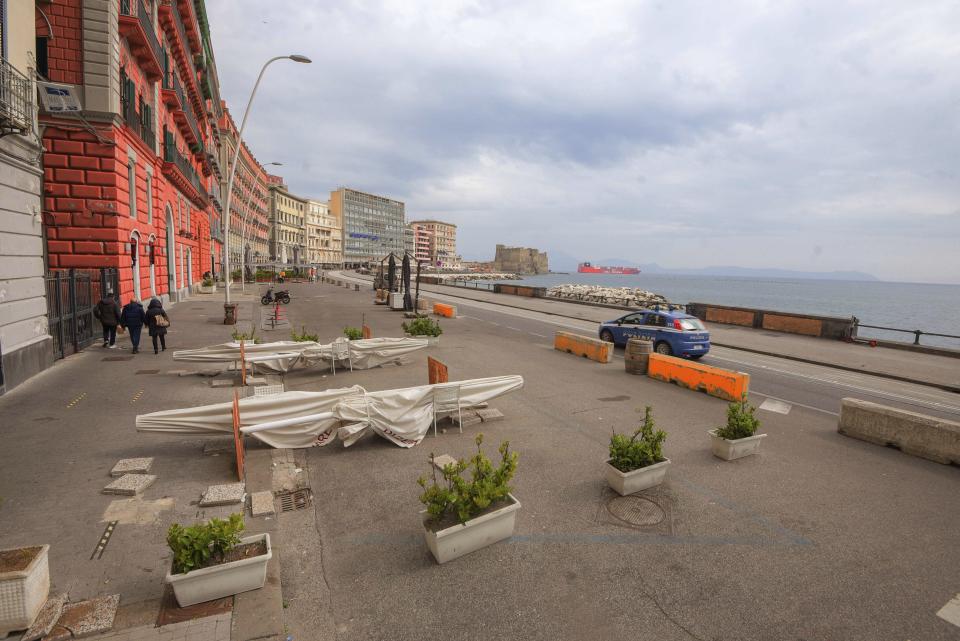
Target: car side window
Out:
[654,320]
[632,319]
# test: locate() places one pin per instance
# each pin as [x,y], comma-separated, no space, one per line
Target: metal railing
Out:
[71,297]
[136,122]
[917,333]
[171,81]
[145,18]
[16,100]
[171,155]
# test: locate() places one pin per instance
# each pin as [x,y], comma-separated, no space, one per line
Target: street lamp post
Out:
[243,230]
[229,309]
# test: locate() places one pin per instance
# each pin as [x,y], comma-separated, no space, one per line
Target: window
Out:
[132,184]
[149,195]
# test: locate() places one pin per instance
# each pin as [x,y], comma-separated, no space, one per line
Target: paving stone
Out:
[48,616]
[466,419]
[130,484]
[256,380]
[221,383]
[226,494]
[85,618]
[218,446]
[490,415]
[443,460]
[132,466]
[261,503]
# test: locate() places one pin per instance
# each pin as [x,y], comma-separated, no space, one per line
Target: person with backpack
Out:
[133,317]
[157,324]
[107,311]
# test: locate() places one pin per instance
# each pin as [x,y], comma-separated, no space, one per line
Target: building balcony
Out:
[171,90]
[16,100]
[188,126]
[140,123]
[172,21]
[136,26]
[190,25]
[178,169]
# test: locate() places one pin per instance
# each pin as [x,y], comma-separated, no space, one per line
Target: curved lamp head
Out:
[298,58]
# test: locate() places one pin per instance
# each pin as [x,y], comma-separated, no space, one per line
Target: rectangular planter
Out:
[730,450]
[23,592]
[457,540]
[218,581]
[624,483]
[431,340]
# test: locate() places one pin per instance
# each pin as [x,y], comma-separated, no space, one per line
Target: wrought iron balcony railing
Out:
[16,100]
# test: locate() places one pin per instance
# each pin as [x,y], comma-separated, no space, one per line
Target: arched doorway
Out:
[171,254]
[152,257]
[135,262]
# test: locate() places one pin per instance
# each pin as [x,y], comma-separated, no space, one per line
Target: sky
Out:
[805,135]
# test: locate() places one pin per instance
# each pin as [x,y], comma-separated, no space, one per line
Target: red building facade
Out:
[135,183]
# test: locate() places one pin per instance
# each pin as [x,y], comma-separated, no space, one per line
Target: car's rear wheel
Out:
[606,336]
[663,347]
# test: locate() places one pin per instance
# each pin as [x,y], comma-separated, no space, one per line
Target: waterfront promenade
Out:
[818,537]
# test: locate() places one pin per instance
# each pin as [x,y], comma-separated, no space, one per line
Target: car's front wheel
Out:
[606,336]
[663,347]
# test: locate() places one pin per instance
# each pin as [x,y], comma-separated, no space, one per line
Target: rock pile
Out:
[474,276]
[624,296]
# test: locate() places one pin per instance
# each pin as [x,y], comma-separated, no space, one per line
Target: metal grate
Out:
[635,510]
[297,500]
[267,390]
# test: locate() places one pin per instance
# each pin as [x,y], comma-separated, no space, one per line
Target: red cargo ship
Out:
[587,268]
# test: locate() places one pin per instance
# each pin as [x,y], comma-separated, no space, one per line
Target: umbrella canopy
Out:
[391,272]
[405,275]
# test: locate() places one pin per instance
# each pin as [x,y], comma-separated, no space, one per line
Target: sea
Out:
[927,307]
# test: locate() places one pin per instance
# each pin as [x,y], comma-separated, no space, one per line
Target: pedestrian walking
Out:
[133,317]
[107,311]
[157,324]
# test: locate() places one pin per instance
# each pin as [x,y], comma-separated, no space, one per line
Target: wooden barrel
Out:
[637,355]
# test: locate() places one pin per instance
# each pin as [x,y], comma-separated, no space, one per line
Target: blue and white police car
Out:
[672,332]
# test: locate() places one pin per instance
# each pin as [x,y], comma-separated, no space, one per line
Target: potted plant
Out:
[207,286]
[464,516]
[738,438]
[637,462]
[424,327]
[353,333]
[24,586]
[211,560]
[303,336]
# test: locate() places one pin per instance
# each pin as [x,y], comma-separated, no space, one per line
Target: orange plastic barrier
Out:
[440,309]
[722,383]
[238,439]
[367,332]
[586,346]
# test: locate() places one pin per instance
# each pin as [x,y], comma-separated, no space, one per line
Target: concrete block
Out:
[469,418]
[223,382]
[261,503]
[443,460]
[442,309]
[715,381]
[226,494]
[130,484]
[490,415]
[132,466]
[921,435]
[49,614]
[85,618]
[585,346]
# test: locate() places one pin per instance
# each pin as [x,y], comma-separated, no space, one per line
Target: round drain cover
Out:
[635,510]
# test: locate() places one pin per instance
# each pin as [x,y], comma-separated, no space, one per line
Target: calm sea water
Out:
[931,308]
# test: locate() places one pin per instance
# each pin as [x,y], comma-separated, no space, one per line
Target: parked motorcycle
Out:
[282,296]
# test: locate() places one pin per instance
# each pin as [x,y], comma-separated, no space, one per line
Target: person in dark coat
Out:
[133,317]
[155,311]
[107,312]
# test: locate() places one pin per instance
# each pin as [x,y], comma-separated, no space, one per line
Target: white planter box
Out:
[460,539]
[23,593]
[208,289]
[624,483]
[730,450]
[223,580]
[431,340]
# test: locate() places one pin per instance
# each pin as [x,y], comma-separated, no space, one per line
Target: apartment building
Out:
[436,242]
[373,226]
[324,235]
[134,184]
[288,227]
[25,344]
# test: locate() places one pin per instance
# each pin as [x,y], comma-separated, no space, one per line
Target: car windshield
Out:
[691,324]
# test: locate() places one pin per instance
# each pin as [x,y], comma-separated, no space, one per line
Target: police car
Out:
[672,332]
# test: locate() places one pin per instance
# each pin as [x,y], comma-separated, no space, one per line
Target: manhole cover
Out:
[117,358]
[148,371]
[290,501]
[635,510]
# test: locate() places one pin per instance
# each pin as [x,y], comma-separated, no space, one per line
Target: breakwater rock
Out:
[625,296]
[471,276]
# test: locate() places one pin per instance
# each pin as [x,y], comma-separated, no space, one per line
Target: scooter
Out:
[282,296]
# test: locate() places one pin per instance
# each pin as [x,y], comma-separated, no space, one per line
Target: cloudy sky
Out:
[802,135]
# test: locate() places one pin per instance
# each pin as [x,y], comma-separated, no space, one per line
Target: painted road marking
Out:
[136,397]
[951,611]
[774,405]
[540,335]
[76,400]
[806,407]
[513,328]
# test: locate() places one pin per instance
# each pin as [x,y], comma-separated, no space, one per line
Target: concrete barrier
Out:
[586,346]
[806,324]
[442,309]
[715,381]
[930,437]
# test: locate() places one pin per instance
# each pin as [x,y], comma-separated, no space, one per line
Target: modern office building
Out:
[324,235]
[436,242]
[373,226]
[25,343]
[288,227]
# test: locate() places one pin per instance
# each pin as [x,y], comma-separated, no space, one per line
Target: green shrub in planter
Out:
[304,337]
[741,422]
[203,544]
[238,336]
[207,281]
[645,447]
[423,326]
[458,498]
[353,333]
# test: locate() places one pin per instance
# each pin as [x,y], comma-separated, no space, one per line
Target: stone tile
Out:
[48,616]
[468,418]
[132,466]
[85,618]
[221,382]
[130,484]
[226,494]
[261,503]
[443,460]
[490,415]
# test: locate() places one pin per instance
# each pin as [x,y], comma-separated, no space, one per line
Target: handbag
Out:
[161,321]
